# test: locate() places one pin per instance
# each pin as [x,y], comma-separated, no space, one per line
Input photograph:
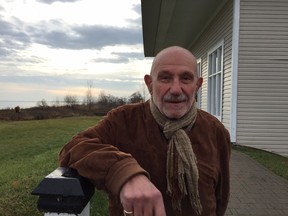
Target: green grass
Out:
[276,163]
[28,152]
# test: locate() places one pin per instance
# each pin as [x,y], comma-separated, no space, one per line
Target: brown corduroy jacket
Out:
[128,141]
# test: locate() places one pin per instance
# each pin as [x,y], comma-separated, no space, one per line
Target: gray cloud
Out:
[52,1]
[17,36]
[121,57]
[68,81]
[13,39]
[117,59]
[4,52]
[137,8]
[132,55]
[41,80]
[13,35]
[85,37]
[56,34]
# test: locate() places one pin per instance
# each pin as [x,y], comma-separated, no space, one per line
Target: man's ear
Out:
[199,83]
[148,82]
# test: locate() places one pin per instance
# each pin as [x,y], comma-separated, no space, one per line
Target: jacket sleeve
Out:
[94,154]
[223,187]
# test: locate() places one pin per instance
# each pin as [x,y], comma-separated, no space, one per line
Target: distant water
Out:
[13,104]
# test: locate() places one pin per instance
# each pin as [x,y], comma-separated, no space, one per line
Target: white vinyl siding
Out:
[219,29]
[262,111]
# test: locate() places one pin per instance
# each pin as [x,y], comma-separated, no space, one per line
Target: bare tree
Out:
[107,102]
[89,97]
[17,109]
[71,100]
[102,99]
[42,103]
[136,97]
[56,102]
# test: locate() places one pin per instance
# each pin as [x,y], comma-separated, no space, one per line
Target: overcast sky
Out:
[52,48]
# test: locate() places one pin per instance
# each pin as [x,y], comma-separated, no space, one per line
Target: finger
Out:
[143,209]
[159,209]
[128,213]
[127,204]
[128,210]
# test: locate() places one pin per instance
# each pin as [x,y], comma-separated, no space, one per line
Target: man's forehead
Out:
[175,72]
[174,69]
[180,60]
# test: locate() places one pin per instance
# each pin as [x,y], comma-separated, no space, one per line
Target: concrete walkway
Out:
[255,190]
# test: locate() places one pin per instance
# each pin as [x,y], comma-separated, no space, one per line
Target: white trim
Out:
[199,93]
[220,44]
[234,70]
[85,212]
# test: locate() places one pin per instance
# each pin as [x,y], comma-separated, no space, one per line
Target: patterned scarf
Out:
[182,171]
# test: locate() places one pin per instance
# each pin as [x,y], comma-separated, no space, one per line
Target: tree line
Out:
[73,105]
[102,102]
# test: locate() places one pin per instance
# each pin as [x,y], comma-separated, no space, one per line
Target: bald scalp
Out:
[171,54]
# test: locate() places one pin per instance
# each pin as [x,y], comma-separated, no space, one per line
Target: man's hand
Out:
[141,197]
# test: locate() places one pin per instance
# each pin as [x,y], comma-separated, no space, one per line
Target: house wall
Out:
[262,110]
[218,30]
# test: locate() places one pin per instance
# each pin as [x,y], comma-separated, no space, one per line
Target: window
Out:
[215,71]
[199,93]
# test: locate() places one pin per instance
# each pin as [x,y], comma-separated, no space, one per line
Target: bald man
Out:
[160,157]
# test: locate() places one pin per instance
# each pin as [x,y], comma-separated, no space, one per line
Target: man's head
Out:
[173,81]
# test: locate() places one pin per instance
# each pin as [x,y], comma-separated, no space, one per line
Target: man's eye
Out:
[187,78]
[164,78]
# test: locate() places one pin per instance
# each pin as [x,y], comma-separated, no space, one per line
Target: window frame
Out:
[215,80]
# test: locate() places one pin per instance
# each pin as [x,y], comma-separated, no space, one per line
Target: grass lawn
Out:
[28,152]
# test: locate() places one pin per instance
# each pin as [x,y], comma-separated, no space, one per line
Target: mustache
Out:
[175,98]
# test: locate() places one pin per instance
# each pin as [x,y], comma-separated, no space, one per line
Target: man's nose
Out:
[175,87]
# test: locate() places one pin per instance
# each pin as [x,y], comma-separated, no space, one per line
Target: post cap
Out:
[63,191]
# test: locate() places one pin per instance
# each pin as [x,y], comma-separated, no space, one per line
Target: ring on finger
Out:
[128,213]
